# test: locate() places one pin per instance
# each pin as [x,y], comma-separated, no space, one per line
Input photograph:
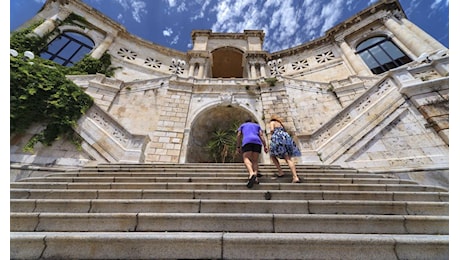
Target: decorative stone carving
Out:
[325,57]
[127,54]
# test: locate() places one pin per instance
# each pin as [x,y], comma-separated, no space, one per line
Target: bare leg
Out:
[248,163]
[291,164]
[255,164]
[278,166]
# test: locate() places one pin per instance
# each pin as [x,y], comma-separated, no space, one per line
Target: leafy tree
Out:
[222,145]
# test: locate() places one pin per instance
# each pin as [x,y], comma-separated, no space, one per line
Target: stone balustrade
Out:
[109,139]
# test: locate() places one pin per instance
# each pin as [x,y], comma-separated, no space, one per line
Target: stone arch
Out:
[372,34]
[222,117]
[227,62]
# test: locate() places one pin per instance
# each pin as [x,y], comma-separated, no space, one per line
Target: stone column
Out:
[253,70]
[200,70]
[406,36]
[191,70]
[51,23]
[103,46]
[423,35]
[263,73]
[357,64]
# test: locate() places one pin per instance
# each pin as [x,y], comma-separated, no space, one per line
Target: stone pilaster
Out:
[197,58]
[51,23]
[256,61]
[166,140]
[357,65]
[103,46]
[406,36]
[435,45]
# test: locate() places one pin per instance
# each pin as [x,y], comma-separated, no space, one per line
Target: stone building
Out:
[372,93]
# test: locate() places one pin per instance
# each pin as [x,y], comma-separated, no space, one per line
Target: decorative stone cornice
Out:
[198,54]
[259,56]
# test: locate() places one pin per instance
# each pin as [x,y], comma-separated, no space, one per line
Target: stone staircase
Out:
[205,211]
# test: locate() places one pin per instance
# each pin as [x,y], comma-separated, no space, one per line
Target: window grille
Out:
[380,54]
[68,48]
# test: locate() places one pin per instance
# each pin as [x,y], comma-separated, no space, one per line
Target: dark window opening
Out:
[68,48]
[380,54]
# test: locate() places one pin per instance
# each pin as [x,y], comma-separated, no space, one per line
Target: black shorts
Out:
[252,148]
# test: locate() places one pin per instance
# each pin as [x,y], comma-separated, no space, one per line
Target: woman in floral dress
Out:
[282,146]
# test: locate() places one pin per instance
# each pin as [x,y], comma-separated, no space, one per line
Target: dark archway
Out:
[215,118]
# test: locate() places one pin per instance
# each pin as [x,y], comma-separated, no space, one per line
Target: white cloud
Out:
[120,17]
[123,3]
[202,10]
[172,3]
[182,7]
[331,13]
[435,4]
[137,8]
[175,40]
[167,32]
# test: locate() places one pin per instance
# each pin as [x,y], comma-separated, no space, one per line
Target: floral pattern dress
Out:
[281,143]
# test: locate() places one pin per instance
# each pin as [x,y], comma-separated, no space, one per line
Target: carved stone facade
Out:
[163,104]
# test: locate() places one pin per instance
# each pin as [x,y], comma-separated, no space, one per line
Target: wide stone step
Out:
[224,245]
[230,206]
[228,222]
[226,186]
[211,168]
[228,194]
[212,174]
[208,166]
[205,211]
[240,179]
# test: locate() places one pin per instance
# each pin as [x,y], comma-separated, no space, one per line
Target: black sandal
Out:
[298,181]
[251,181]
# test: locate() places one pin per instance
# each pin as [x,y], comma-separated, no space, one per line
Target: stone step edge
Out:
[232,186]
[207,175]
[218,222]
[226,194]
[213,180]
[230,206]
[198,245]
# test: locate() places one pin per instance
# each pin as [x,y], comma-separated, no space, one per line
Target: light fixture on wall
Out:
[274,67]
[28,55]
[177,66]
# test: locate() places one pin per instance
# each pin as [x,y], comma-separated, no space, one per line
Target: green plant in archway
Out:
[222,145]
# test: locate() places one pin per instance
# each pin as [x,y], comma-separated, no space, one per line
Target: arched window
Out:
[68,48]
[381,54]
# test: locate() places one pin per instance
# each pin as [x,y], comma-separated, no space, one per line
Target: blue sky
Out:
[286,23]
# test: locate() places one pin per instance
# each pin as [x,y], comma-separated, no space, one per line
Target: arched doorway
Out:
[220,118]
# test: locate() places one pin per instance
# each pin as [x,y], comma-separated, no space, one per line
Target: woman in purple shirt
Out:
[249,141]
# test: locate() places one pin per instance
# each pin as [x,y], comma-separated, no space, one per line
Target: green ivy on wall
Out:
[40,93]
